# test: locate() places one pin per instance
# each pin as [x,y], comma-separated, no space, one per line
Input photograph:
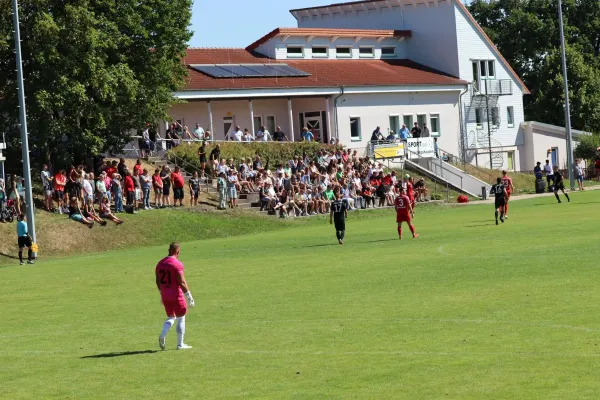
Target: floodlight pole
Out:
[23,123]
[567,104]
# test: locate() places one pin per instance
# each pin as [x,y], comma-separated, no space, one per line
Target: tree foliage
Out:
[527,33]
[587,147]
[94,70]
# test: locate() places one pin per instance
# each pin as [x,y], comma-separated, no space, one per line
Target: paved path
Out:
[532,196]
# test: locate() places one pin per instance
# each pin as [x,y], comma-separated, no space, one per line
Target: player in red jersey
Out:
[173,287]
[410,191]
[508,185]
[404,212]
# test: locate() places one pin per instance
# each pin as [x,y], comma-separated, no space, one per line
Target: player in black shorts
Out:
[559,184]
[499,191]
[339,213]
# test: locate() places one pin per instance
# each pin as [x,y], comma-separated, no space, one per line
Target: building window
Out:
[295,52]
[408,121]
[434,121]
[321,52]
[421,119]
[343,52]
[495,116]
[479,117]
[510,116]
[366,52]
[485,70]
[491,69]
[394,124]
[271,123]
[257,124]
[355,129]
[388,52]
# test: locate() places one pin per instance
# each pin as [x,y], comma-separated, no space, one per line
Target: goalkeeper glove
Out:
[191,301]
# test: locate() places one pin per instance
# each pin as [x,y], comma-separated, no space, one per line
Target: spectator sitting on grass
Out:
[90,213]
[76,215]
[105,211]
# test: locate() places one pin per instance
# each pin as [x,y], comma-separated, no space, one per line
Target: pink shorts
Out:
[176,308]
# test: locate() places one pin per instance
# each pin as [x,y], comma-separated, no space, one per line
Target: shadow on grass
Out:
[8,256]
[337,244]
[488,223]
[122,354]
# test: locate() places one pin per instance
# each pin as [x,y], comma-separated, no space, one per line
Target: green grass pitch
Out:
[469,310]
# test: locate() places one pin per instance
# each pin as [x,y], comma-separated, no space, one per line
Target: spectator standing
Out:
[157,184]
[178,184]
[108,185]
[165,175]
[307,136]
[425,132]
[549,173]
[231,189]
[87,191]
[578,170]
[597,165]
[537,170]
[101,190]
[376,135]
[199,133]
[222,188]
[117,190]
[202,158]
[416,131]
[137,189]
[215,156]
[47,185]
[60,180]
[2,199]
[130,190]
[146,183]
[194,185]
[138,167]
[237,134]
[121,168]
[279,135]
[247,137]
[404,133]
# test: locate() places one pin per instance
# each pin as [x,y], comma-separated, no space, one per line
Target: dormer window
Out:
[366,52]
[388,52]
[320,52]
[343,52]
[295,52]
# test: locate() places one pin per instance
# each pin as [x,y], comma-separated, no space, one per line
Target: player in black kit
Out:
[559,184]
[499,191]
[339,213]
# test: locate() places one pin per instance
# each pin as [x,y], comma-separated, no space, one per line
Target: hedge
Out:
[271,153]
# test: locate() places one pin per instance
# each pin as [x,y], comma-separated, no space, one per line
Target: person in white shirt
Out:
[88,189]
[198,132]
[237,134]
[578,170]
[263,135]
[247,137]
[47,185]
[549,173]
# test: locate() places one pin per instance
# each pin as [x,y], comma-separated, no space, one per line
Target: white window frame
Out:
[294,55]
[326,55]
[388,55]
[372,55]
[359,139]
[399,122]
[338,55]
[439,132]
[510,116]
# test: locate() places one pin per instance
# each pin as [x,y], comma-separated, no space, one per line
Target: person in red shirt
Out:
[138,167]
[178,184]
[508,185]
[60,180]
[157,184]
[404,212]
[129,189]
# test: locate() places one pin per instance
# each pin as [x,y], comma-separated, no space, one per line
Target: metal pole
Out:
[567,105]
[487,112]
[23,120]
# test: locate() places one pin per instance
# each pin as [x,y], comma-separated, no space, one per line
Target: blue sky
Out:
[237,23]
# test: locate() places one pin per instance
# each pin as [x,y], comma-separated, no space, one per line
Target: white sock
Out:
[168,324]
[180,330]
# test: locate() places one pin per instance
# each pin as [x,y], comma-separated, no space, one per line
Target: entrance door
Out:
[554,157]
[227,126]
[314,122]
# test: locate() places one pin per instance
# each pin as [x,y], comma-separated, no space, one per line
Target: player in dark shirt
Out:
[559,184]
[499,191]
[339,213]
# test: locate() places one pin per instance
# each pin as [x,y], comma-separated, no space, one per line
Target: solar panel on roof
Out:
[249,70]
[214,71]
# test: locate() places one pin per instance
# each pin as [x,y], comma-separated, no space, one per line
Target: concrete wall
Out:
[537,143]
[375,109]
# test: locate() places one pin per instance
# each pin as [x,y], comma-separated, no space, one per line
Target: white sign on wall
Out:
[2,147]
[423,147]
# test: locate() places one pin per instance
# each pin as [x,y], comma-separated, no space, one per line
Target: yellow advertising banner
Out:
[391,150]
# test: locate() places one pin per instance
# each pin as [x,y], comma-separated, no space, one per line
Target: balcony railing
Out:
[495,87]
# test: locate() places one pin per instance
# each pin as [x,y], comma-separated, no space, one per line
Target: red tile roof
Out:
[324,73]
[326,32]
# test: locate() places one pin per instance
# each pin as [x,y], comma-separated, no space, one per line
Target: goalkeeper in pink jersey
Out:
[173,291]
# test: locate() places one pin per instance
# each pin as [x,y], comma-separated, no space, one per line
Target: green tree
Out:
[587,148]
[527,33]
[94,70]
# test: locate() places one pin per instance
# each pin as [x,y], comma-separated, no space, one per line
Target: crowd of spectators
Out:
[306,186]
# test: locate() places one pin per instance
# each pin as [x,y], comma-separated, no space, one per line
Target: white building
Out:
[359,65]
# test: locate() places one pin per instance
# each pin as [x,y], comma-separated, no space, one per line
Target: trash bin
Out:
[540,186]
[484,193]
